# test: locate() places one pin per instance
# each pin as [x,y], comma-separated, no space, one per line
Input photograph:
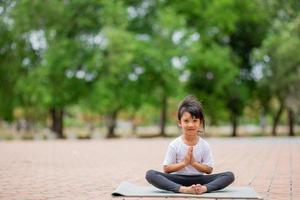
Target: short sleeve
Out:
[207,157]
[170,156]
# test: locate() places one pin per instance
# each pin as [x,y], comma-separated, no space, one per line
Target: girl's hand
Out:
[187,158]
[192,157]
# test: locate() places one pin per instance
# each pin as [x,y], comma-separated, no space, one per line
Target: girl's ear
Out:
[179,123]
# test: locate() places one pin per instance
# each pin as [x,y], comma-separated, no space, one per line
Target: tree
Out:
[163,36]
[212,71]
[10,61]
[238,25]
[116,87]
[281,69]
[59,73]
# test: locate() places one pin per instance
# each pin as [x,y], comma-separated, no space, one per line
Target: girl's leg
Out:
[173,182]
[169,182]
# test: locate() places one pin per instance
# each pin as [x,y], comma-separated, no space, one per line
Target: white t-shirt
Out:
[177,150]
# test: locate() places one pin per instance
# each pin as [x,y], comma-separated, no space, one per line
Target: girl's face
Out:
[189,125]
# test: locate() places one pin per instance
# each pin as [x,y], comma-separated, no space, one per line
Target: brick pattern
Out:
[92,169]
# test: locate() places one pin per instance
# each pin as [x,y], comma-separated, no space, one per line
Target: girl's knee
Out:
[230,176]
[150,174]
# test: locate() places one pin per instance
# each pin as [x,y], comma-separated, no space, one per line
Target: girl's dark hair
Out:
[191,105]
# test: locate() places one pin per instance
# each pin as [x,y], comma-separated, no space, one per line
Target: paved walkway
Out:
[92,169]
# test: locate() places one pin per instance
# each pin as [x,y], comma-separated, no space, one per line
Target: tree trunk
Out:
[234,124]
[133,125]
[111,124]
[163,116]
[262,123]
[276,119]
[291,122]
[57,121]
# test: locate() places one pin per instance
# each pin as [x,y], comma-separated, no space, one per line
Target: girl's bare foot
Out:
[193,189]
[200,189]
[188,189]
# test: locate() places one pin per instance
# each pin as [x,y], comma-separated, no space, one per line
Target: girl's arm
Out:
[202,167]
[199,166]
[178,166]
[174,167]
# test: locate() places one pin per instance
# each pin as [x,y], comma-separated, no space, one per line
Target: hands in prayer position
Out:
[189,158]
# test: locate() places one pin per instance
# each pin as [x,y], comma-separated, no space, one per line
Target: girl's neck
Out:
[190,140]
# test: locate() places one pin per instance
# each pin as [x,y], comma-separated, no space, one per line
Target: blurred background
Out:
[118,68]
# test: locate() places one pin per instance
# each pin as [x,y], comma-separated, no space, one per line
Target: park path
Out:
[91,169]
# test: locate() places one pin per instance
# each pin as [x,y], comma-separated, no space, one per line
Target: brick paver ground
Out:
[92,169]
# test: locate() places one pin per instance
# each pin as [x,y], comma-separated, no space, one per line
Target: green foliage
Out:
[10,61]
[59,75]
[207,78]
[116,56]
[280,61]
[114,90]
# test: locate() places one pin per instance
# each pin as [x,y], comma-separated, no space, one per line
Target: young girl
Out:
[188,163]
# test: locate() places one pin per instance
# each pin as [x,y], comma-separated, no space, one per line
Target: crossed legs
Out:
[189,183]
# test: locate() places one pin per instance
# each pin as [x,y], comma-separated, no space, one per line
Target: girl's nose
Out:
[190,124]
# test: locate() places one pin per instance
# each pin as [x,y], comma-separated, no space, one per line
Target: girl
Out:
[188,163]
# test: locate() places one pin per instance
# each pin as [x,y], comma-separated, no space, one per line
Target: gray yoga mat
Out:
[130,190]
